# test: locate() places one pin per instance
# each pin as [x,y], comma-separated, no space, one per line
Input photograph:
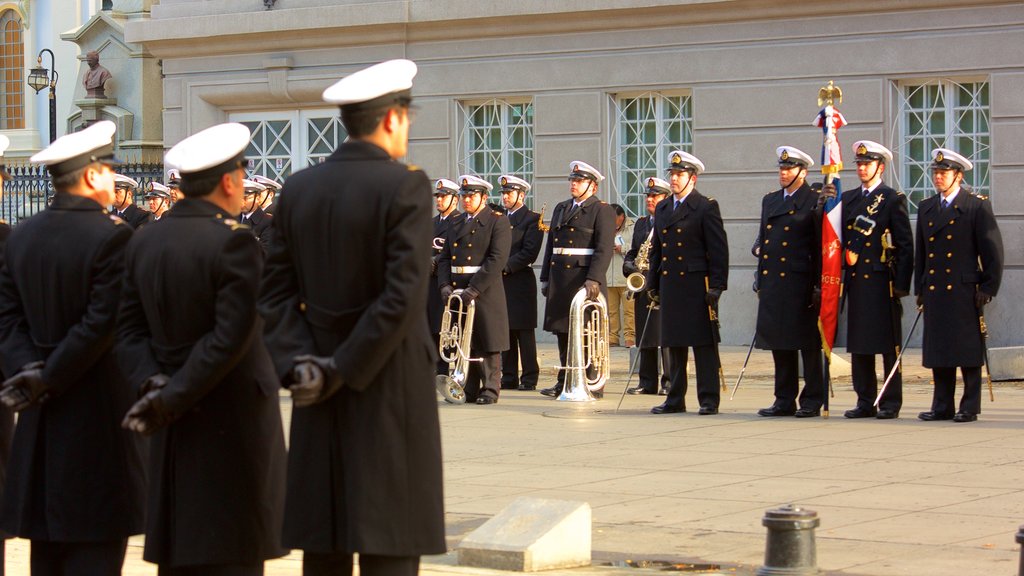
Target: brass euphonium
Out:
[588,348]
[636,281]
[456,336]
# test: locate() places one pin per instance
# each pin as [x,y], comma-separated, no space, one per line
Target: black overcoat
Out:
[520,281]
[959,251]
[689,246]
[649,336]
[592,226]
[262,227]
[789,269]
[6,415]
[74,474]
[347,277]
[136,216]
[216,473]
[434,303]
[872,318]
[484,242]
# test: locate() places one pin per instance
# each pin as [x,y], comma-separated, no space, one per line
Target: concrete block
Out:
[531,534]
[1006,363]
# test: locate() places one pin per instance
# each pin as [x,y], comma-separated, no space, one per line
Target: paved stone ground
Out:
[899,497]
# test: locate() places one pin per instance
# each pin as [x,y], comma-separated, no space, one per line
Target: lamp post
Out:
[38,79]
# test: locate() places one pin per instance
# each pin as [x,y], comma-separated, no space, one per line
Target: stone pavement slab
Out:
[898,497]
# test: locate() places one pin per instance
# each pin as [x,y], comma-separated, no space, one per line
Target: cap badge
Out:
[677,159]
[784,156]
[504,181]
[465,181]
[939,157]
[862,150]
[440,185]
[650,182]
[575,167]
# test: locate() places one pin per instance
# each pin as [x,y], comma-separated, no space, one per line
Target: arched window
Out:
[12,72]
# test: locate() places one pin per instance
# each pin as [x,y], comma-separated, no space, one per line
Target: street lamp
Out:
[38,79]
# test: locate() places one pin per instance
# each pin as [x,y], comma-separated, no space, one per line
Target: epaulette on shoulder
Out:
[233,224]
[412,167]
[979,196]
[115,219]
[900,193]
[711,199]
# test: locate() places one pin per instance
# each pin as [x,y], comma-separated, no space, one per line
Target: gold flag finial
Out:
[830,95]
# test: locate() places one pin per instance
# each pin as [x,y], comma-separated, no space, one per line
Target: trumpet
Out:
[453,346]
[588,348]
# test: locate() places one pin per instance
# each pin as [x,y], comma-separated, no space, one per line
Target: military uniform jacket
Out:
[347,277]
[651,335]
[74,474]
[483,243]
[6,415]
[871,325]
[788,270]
[520,281]
[434,303]
[136,216]
[959,251]
[261,224]
[216,473]
[689,246]
[591,227]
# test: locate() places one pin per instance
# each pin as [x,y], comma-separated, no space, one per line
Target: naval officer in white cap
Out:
[577,255]
[74,485]
[343,295]
[189,342]
[124,202]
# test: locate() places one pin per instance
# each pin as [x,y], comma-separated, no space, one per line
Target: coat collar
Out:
[65,201]
[481,220]
[355,150]
[196,207]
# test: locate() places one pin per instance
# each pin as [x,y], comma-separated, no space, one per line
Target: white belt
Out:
[465,269]
[574,251]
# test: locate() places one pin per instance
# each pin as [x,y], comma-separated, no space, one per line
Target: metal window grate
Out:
[496,139]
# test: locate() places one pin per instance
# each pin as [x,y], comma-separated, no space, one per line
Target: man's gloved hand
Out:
[897,293]
[148,414]
[920,300]
[593,289]
[980,299]
[446,292]
[828,190]
[154,382]
[544,289]
[24,388]
[629,267]
[469,295]
[815,297]
[654,296]
[712,296]
[315,378]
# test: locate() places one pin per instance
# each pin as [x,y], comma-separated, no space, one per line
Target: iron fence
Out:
[29,190]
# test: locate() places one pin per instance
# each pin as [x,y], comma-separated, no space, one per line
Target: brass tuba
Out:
[456,336]
[588,348]
[636,281]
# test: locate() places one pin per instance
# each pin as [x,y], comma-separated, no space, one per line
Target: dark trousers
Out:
[943,399]
[442,366]
[706,360]
[649,370]
[563,355]
[369,565]
[865,382]
[787,379]
[484,377]
[522,346]
[77,558]
[213,570]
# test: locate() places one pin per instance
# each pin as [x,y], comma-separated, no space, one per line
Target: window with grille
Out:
[646,128]
[283,142]
[941,114]
[12,69]
[496,139]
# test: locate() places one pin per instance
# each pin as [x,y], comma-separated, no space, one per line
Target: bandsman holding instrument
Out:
[475,254]
[577,255]
[520,287]
[877,268]
[788,252]
[689,271]
[958,269]
[446,201]
[648,320]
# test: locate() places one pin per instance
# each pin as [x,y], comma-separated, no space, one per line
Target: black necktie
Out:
[572,211]
[945,204]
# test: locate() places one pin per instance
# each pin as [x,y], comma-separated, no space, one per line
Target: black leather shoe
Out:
[486,400]
[931,416]
[887,415]
[663,409]
[775,411]
[808,413]
[553,392]
[639,390]
[527,386]
[707,411]
[859,412]
[964,417]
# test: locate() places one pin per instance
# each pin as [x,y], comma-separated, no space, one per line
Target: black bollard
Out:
[1020,540]
[789,548]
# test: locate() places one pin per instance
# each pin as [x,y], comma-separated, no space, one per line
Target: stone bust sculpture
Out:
[95,77]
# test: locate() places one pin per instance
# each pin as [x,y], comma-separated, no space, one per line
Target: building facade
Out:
[525,86]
